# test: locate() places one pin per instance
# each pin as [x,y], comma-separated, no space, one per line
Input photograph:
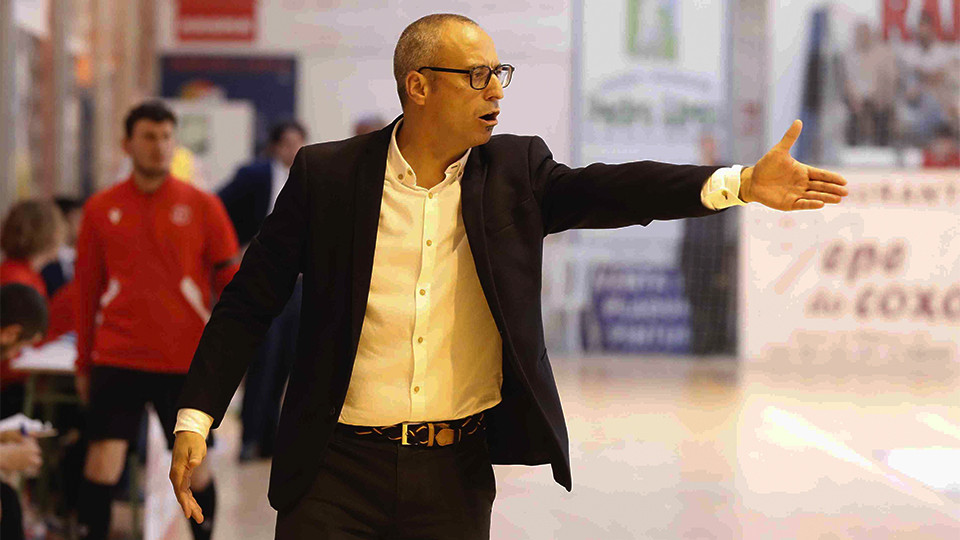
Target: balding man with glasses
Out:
[421,357]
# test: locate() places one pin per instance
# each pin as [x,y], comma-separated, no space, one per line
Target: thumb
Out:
[790,137]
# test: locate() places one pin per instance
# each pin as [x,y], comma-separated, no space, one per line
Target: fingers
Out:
[807,204]
[825,176]
[185,460]
[181,478]
[790,137]
[826,187]
[827,198]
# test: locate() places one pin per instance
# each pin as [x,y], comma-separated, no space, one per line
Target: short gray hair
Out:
[419,45]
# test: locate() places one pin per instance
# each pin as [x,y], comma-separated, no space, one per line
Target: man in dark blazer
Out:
[248,198]
[422,357]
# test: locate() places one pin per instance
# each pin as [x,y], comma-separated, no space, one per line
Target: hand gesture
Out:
[783,183]
[189,449]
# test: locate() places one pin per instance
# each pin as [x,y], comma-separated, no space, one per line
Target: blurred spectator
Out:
[868,78]
[23,321]
[151,253]
[30,237]
[943,151]
[930,84]
[249,197]
[59,272]
[252,192]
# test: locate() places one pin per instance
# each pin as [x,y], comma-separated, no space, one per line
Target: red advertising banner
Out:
[216,20]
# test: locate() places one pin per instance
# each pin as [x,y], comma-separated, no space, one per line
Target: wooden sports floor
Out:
[667,448]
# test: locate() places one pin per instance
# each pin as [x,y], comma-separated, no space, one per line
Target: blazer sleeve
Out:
[602,196]
[253,298]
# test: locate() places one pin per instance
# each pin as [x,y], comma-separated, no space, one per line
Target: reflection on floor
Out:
[670,448]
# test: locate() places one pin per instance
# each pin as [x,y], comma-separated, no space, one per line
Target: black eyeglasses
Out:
[480,75]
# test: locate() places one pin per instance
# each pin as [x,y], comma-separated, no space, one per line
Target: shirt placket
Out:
[425,282]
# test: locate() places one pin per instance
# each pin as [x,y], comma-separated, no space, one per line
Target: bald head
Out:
[420,45]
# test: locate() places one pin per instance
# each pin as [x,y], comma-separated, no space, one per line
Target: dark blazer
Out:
[247,198]
[325,225]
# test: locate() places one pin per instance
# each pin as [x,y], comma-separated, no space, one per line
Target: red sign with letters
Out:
[216,20]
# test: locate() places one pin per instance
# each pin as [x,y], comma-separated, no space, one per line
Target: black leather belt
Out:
[420,433]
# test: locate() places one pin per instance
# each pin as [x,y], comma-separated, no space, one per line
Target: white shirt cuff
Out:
[193,420]
[722,189]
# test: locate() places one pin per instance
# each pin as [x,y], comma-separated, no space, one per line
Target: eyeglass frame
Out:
[471,70]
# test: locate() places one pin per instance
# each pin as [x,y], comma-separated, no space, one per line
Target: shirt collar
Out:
[398,169]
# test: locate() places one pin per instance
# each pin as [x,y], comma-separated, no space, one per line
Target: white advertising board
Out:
[874,281]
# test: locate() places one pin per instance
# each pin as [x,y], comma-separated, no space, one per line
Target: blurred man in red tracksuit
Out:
[151,254]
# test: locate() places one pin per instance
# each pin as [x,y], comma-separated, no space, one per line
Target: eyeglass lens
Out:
[480,76]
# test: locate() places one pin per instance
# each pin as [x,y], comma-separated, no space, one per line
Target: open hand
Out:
[783,183]
[189,449]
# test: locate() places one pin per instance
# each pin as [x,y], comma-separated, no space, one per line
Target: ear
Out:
[417,87]
[10,334]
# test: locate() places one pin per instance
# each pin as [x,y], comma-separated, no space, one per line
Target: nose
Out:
[494,89]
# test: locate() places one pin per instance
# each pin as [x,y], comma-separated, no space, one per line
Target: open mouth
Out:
[490,117]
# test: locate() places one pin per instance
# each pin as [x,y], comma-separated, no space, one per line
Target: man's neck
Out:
[425,152]
[148,184]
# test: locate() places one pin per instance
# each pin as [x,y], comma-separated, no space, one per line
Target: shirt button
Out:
[429,195]
[423,292]
[416,389]
[419,340]
[400,176]
[429,243]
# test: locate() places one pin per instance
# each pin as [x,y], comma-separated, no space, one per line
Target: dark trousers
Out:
[267,376]
[371,489]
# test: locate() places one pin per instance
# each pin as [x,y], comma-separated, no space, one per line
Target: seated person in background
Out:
[30,237]
[930,91]
[869,82]
[23,320]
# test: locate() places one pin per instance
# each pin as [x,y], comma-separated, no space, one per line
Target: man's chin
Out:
[153,172]
[484,138]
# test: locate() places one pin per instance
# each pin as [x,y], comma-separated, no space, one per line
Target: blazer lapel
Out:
[471,199]
[368,195]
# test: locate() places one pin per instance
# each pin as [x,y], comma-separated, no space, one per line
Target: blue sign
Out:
[639,310]
[269,82]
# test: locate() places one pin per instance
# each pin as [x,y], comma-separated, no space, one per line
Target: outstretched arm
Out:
[783,183]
